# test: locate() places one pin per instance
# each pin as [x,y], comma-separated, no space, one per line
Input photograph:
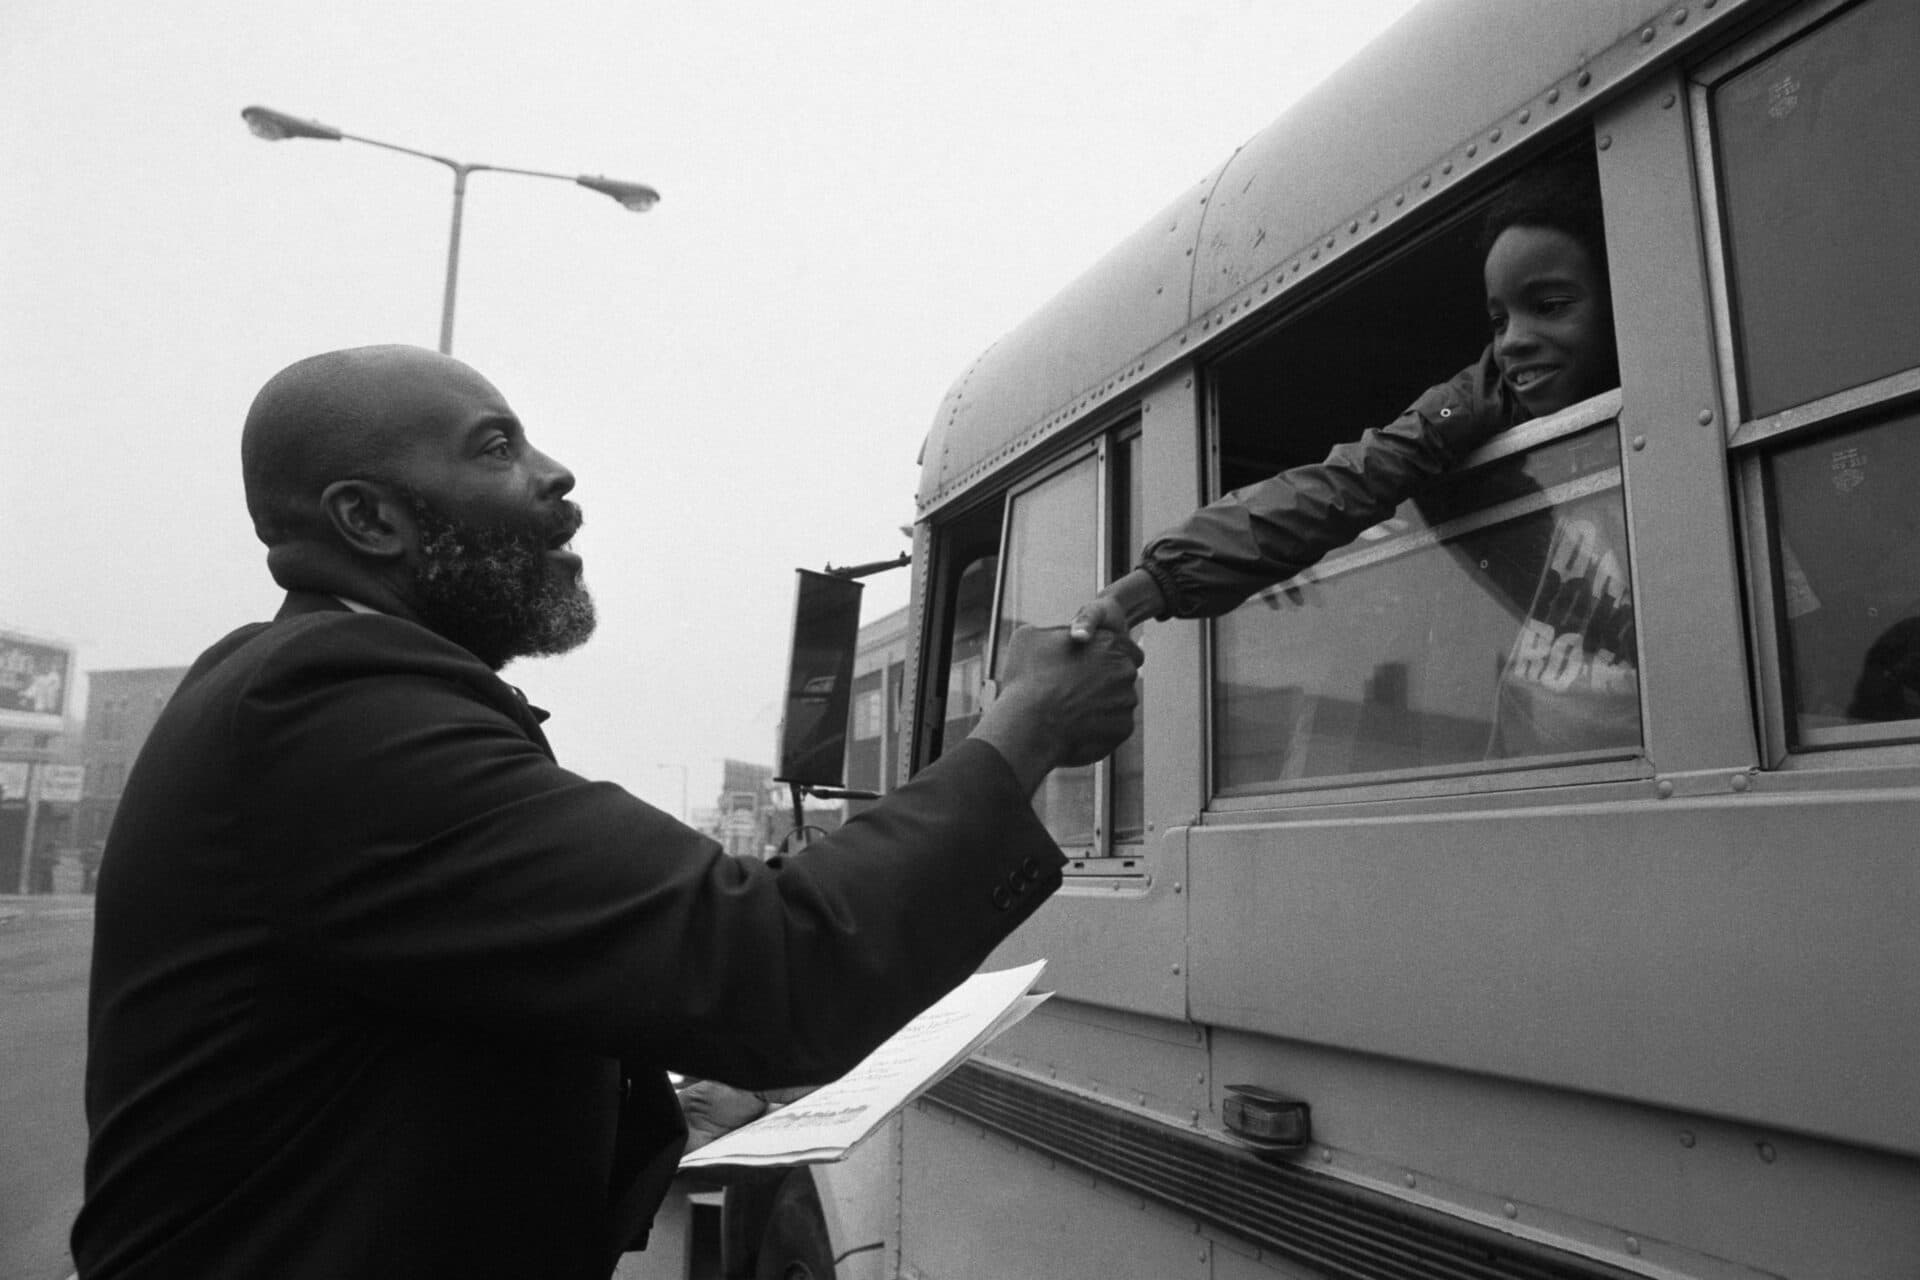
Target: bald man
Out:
[379,989]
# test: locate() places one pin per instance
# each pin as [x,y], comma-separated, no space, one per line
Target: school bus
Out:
[1348,983]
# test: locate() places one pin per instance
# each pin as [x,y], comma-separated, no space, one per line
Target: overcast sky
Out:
[857,199]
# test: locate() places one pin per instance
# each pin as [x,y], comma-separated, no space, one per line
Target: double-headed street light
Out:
[275,126]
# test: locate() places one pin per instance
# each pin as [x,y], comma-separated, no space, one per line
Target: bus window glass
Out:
[1129,759]
[1849,553]
[1052,558]
[1816,147]
[1492,621]
[966,661]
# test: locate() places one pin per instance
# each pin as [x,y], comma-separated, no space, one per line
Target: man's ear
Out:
[368,518]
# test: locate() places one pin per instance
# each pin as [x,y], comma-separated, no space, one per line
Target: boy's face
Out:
[1552,319]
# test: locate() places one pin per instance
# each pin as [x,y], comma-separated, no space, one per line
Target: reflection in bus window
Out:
[1815,146]
[1052,559]
[966,665]
[1849,527]
[1491,621]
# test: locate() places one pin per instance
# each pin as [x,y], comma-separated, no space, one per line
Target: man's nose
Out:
[555,480]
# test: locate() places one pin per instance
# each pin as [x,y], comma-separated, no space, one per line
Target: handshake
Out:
[1067,694]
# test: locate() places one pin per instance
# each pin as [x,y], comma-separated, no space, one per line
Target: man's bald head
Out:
[338,416]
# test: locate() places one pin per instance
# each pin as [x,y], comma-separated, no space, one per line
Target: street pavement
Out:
[45,947]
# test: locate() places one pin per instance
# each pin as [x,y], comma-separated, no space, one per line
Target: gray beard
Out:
[492,589]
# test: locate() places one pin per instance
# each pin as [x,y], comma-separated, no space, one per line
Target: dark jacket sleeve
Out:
[1266,532]
[430,858]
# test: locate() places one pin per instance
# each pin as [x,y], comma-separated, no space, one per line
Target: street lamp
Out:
[277,126]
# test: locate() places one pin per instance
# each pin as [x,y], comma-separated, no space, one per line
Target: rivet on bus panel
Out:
[1663,789]
[1525,116]
[1679,16]
[1606,141]
[1741,782]
[1410,1181]
[1553,96]
[1666,103]
[1767,1153]
[1633,1246]
[1173,969]
[1639,443]
[1584,79]
[1511,1209]
[1473,149]
[1495,135]
[1646,36]
[1706,417]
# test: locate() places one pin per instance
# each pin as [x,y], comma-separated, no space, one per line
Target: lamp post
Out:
[276,126]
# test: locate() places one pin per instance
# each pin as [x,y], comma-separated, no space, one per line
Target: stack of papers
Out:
[824,1125]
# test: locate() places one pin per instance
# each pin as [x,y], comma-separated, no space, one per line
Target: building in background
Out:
[121,708]
[36,745]
[874,717]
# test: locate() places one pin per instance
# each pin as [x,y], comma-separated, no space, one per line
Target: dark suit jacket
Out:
[379,989]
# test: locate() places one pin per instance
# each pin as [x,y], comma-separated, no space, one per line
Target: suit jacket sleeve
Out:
[430,857]
[1266,532]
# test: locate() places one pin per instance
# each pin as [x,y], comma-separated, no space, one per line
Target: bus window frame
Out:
[1104,859]
[1470,778]
[1749,440]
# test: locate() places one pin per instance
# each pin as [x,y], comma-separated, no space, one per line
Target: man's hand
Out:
[1062,702]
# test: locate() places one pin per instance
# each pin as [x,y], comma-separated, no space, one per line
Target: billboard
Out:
[33,683]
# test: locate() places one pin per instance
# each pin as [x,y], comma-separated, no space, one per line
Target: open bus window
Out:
[1813,133]
[1489,625]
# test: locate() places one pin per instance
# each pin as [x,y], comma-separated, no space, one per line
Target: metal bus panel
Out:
[1676,1192]
[1694,676]
[974,1204]
[1727,955]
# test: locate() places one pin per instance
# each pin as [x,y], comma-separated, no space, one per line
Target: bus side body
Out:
[1639,998]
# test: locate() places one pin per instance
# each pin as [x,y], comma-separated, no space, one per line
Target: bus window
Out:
[1814,141]
[1068,533]
[967,664]
[1051,564]
[1491,622]
[965,557]
[1849,536]
[1129,758]
[1818,180]
[1488,625]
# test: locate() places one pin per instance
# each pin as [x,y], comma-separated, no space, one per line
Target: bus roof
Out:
[1451,89]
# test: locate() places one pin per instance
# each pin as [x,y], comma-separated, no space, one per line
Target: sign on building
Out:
[33,683]
[60,783]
